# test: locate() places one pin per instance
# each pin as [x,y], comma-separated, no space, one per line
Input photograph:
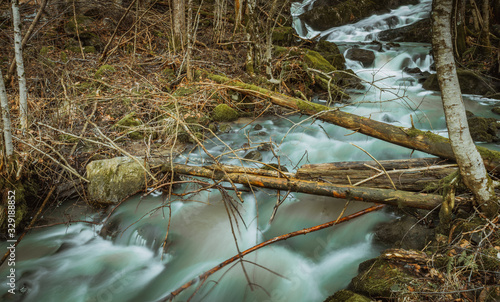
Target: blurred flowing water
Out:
[75,263]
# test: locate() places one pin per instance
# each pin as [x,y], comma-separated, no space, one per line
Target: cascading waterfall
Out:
[126,263]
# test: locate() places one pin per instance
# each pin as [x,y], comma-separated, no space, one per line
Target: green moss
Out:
[315,60]
[310,106]
[283,36]
[104,70]
[185,90]
[379,279]
[279,50]
[347,296]
[127,123]
[224,113]
[45,50]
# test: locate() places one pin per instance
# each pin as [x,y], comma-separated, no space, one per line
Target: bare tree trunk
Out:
[7,133]
[23,92]
[485,30]
[269,39]
[190,40]
[219,17]
[251,31]
[179,22]
[468,158]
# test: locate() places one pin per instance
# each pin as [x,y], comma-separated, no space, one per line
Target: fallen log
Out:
[383,196]
[411,138]
[414,174]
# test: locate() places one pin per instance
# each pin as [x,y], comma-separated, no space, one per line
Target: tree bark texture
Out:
[383,196]
[411,138]
[468,158]
[23,92]
[179,21]
[407,174]
[7,132]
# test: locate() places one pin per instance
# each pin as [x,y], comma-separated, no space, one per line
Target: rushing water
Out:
[74,263]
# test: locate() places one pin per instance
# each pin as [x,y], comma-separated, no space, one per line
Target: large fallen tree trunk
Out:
[408,174]
[412,138]
[285,182]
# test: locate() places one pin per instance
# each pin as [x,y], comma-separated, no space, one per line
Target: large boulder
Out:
[417,32]
[470,83]
[365,56]
[326,14]
[112,180]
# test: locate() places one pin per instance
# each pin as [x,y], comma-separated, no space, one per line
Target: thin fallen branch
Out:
[205,275]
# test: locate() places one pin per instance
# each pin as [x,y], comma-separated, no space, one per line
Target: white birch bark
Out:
[23,93]
[468,159]
[7,132]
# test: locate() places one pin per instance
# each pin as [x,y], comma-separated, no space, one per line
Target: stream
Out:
[75,263]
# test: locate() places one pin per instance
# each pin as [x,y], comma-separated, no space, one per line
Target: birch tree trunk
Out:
[7,133]
[468,158]
[23,93]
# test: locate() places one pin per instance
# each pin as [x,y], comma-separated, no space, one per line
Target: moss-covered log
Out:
[412,138]
[284,182]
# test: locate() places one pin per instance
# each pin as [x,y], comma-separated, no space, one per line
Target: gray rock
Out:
[417,32]
[365,56]
[254,155]
[404,233]
[111,180]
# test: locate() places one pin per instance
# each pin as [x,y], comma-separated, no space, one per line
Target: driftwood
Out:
[203,277]
[408,174]
[289,183]
[411,138]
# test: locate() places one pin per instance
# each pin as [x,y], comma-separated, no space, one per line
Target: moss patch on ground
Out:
[224,113]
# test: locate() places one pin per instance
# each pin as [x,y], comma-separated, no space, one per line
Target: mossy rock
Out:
[331,53]
[347,296]
[224,113]
[378,278]
[25,191]
[315,60]
[495,110]
[483,129]
[104,70]
[283,36]
[112,180]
